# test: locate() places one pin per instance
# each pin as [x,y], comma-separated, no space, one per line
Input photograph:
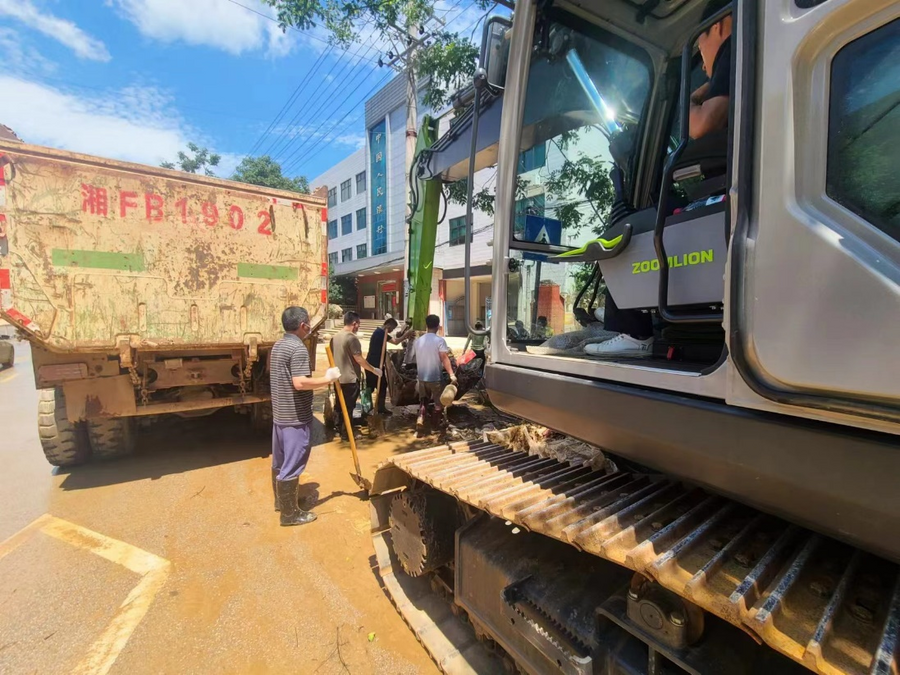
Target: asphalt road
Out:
[172,560]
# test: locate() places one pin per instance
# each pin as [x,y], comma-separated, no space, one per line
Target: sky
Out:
[137,80]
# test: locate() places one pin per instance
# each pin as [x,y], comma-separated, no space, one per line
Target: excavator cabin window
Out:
[587,258]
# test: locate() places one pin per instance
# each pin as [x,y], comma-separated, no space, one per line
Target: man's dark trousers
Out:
[290,449]
[351,395]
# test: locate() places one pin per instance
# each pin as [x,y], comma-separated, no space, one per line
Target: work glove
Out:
[453,380]
[333,374]
[377,372]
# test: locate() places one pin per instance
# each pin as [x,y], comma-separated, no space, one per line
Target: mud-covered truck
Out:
[145,291]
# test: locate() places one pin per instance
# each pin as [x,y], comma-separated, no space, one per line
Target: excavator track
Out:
[822,603]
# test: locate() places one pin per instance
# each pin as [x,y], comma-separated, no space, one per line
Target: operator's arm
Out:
[709,116]
[400,338]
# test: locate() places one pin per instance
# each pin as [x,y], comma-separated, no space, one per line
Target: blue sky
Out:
[138,79]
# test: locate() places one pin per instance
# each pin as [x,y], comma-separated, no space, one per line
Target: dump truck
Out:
[747,516]
[147,292]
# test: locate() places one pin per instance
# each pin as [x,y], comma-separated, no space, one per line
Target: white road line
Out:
[153,569]
[12,543]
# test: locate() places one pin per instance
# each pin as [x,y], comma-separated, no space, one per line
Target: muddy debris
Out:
[543,442]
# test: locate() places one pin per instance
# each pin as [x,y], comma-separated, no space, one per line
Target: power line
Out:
[289,102]
[364,97]
[281,145]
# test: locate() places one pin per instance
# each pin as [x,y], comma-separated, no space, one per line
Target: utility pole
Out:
[412,114]
[414,40]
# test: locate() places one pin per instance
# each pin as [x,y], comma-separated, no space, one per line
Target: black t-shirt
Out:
[373,356]
[720,80]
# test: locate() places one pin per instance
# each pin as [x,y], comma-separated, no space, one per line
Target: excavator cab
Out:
[766,256]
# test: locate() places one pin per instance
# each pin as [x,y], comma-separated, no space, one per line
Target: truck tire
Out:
[111,438]
[64,443]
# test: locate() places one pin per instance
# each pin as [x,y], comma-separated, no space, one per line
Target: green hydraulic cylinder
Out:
[423,235]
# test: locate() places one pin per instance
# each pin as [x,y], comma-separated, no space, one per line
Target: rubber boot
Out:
[291,513]
[274,488]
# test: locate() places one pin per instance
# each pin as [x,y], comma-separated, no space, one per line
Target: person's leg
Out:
[634,328]
[296,441]
[633,322]
[277,459]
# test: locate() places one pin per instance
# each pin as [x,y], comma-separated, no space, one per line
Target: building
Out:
[367,200]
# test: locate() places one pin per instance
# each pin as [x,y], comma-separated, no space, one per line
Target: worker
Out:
[478,342]
[373,357]
[710,101]
[292,387]
[432,356]
[708,114]
[349,359]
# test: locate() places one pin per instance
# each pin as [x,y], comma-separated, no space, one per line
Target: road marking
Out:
[153,569]
[3,380]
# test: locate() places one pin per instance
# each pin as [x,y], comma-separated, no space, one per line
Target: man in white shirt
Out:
[432,357]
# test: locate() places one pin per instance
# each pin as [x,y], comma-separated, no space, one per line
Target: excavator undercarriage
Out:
[559,567]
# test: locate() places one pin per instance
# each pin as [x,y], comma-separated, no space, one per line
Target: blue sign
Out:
[540,230]
[378,186]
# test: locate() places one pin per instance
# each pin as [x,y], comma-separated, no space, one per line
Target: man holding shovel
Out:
[292,396]
[376,356]
[349,359]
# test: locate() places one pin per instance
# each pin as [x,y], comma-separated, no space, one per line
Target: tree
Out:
[266,171]
[341,289]
[441,63]
[201,159]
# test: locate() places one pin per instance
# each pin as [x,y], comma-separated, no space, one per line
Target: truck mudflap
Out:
[822,603]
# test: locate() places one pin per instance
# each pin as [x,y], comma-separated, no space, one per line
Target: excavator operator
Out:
[708,114]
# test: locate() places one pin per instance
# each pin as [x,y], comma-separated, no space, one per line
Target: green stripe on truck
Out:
[254,271]
[101,260]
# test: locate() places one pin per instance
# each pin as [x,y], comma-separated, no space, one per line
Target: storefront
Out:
[379,294]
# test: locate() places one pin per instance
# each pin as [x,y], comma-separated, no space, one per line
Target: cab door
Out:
[814,278]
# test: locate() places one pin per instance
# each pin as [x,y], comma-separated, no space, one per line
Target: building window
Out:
[332,229]
[360,182]
[361,219]
[458,231]
[530,206]
[360,251]
[346,255]
[332,197]
[345,190]
[864,125]
[533,158]
[332,259]
[347,224]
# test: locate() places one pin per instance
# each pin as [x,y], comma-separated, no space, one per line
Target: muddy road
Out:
[172,560]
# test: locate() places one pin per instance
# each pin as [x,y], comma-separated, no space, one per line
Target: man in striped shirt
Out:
[292,395]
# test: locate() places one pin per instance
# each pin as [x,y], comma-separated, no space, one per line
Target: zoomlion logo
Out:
[683,260]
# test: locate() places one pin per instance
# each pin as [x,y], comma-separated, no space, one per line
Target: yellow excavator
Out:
[748,519]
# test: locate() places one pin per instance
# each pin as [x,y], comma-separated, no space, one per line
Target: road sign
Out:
[541,230]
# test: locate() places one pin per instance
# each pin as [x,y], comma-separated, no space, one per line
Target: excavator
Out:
[748,517]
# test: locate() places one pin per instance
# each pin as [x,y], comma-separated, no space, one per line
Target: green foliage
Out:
[446,62]
[266,171]
[441,62]
[341,289]
[200,158]
[584,176]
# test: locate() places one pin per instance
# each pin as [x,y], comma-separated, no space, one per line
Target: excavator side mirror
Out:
[495,51]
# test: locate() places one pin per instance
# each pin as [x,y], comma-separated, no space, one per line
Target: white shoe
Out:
[621,345]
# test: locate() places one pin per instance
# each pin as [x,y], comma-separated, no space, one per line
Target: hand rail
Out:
[480,82]
[669,315]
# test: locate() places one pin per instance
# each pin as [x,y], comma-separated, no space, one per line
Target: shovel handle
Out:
[346,413]
[381,368]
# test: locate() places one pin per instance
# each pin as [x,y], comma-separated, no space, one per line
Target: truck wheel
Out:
[64,443]
[111,438]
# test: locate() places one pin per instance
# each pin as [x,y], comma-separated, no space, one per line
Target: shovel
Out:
[357,477]
[376,421]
